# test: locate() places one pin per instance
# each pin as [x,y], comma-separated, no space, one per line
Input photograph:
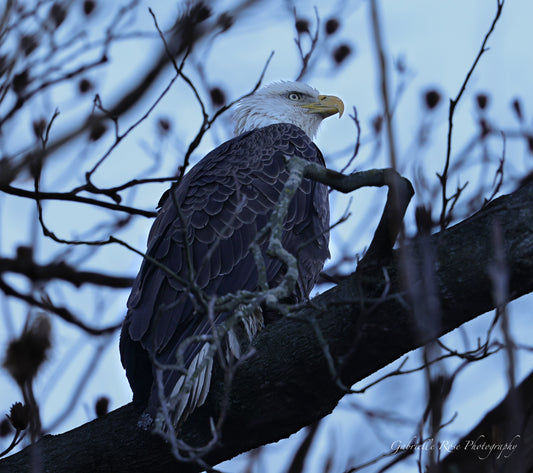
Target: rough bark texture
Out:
[507,430]
[287,383]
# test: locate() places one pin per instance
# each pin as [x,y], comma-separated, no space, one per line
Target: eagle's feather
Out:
[203,233]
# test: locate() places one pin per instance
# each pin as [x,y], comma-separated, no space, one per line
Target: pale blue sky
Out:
[436,40]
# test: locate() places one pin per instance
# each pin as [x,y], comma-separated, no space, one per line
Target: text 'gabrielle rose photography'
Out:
[479,446]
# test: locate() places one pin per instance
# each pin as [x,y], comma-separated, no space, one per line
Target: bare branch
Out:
[62,312]
[262,406]
[443,177]
[384,81]
[60,270]
[71,197]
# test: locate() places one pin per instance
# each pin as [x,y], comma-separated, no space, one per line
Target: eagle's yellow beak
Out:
[326,106]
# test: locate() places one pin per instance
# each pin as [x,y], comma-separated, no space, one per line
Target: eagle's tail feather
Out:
[191,389]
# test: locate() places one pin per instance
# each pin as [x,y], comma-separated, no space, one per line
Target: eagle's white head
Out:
[285,102]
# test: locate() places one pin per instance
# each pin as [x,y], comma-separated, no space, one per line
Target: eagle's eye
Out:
[294,96]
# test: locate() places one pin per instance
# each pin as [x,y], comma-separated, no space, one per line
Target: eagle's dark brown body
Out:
[203,233]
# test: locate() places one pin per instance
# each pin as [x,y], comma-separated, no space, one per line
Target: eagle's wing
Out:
[203,233]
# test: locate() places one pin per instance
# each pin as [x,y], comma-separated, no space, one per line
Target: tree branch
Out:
[509,437]
[287,383]
[444,215]
[61,270]
[70,197]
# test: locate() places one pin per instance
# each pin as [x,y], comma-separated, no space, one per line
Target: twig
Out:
[71,197]
[120,137]
[45,85]
[355,119]
[62,312]
[305,57]
[207,122]
[84,378]
[398,198]
[443,177]
[17,438]
[63,271]
[376,26]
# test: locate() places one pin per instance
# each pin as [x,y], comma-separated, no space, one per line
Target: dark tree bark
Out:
[507,429]
[366,323]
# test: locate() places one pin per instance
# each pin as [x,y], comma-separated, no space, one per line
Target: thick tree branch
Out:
[502,440]
[288,383]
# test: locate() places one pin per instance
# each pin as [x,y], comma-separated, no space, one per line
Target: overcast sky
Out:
[435,41]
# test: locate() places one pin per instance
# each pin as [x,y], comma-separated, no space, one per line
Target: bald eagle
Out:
[199,246]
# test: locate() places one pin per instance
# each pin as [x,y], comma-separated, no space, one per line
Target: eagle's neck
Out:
[250,116]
